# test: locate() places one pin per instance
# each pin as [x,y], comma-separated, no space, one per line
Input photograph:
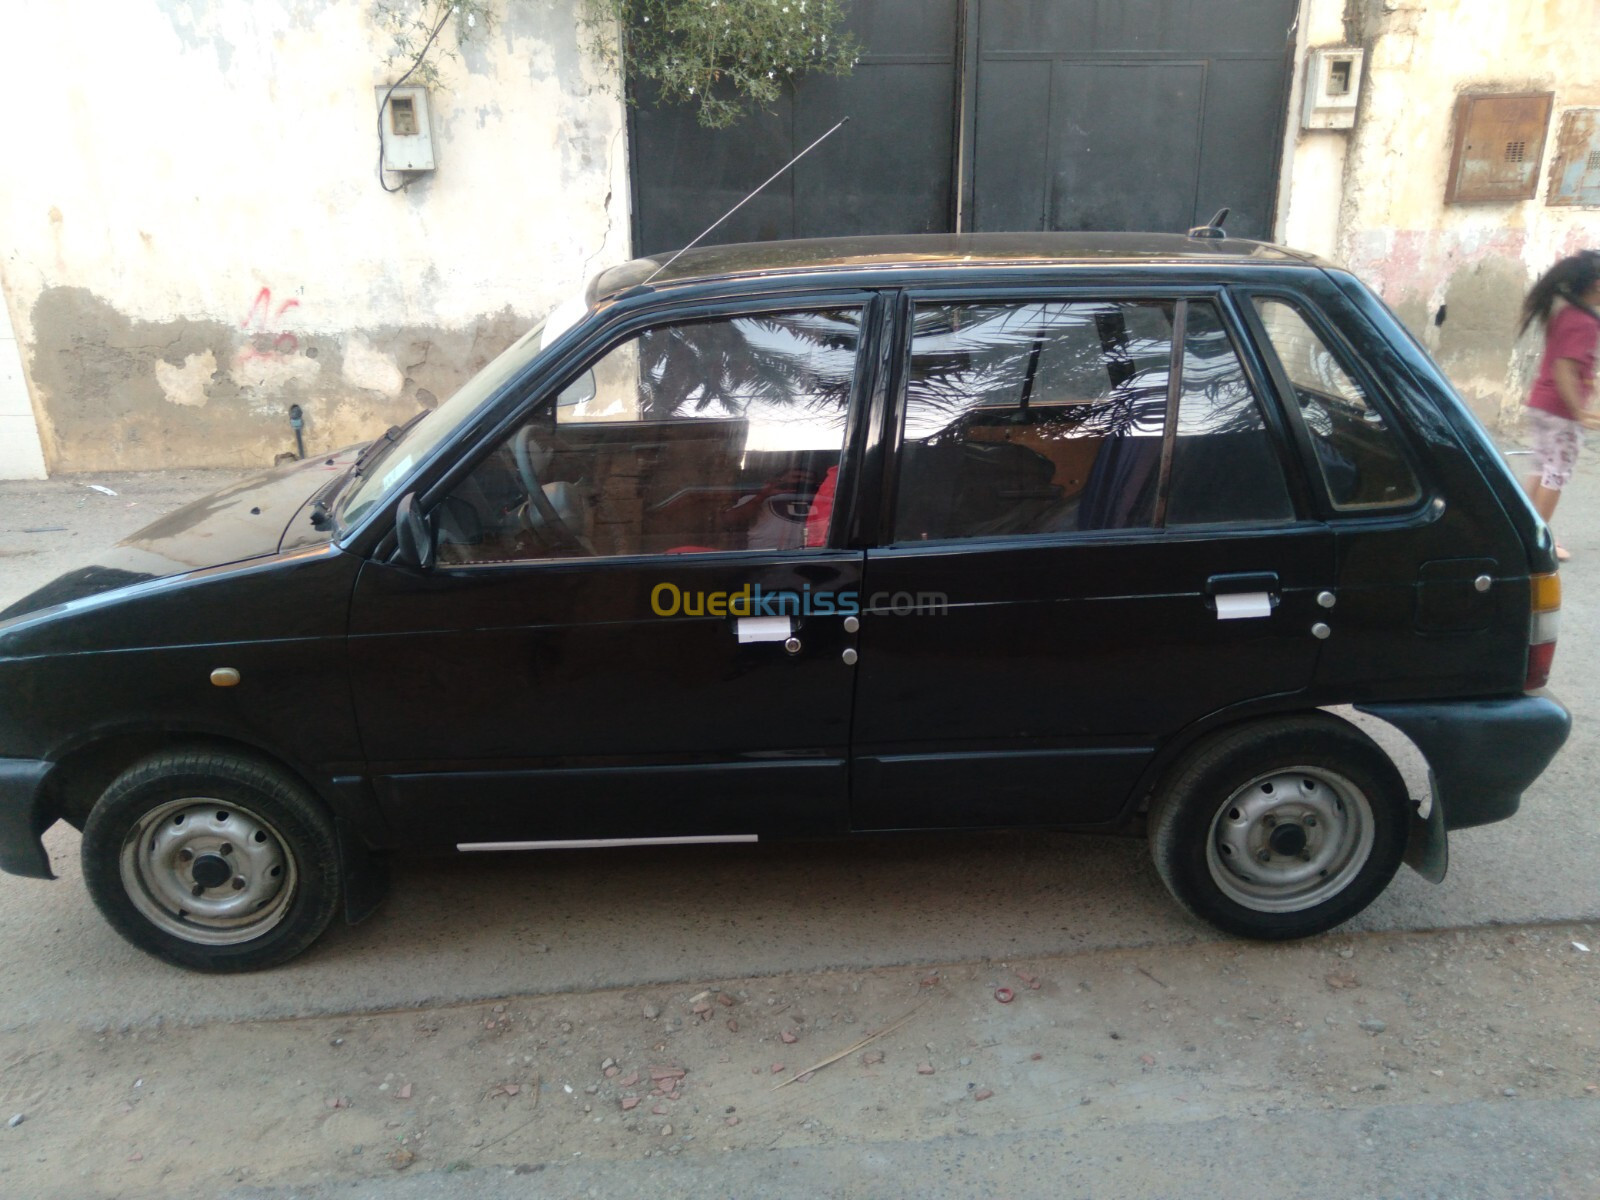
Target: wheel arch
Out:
[1404,758]
[82,773]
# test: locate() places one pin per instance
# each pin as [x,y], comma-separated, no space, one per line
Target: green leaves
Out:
[726,57]
[410,25]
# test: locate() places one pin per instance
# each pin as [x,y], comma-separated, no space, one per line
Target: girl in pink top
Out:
[1566,301]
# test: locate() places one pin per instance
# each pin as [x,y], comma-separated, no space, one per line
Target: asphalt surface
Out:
[471,928]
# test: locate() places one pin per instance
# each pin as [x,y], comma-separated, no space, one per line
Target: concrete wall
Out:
[1373,197]
[195,238]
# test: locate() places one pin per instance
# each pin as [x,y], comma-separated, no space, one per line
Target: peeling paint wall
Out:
[1373,197]
[198,239]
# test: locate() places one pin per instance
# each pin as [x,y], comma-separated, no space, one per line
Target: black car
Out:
[1095,532]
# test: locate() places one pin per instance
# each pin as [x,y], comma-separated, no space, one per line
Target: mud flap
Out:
[366,874]
[1428,845]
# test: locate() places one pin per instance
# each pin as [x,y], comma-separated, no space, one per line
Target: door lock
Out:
[792,644]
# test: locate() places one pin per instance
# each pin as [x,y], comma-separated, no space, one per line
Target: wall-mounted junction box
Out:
[1333,85]
[1575,166]
[407,141]
[1499,143]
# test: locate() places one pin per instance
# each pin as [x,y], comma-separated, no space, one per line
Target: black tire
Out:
[260,848]
[1280,829]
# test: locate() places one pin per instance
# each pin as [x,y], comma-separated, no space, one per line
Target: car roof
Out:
[899,253]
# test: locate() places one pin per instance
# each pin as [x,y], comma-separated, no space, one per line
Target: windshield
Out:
[389,464]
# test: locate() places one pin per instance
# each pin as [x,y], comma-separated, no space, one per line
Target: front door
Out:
[1096,540]
[619,639]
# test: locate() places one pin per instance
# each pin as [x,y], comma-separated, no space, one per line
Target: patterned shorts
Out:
[1557,442]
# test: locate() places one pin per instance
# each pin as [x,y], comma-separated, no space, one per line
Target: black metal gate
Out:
[995,115]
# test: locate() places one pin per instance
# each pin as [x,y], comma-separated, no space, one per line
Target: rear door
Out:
[1096,537]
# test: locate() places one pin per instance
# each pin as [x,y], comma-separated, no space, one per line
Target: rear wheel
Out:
[212,861]
[1281,829]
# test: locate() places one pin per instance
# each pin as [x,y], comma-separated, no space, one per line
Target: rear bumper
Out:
[23,817]
[1482,754]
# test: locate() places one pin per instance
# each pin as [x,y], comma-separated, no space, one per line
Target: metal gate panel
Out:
[1112,168]
[891,170]
[1127,114]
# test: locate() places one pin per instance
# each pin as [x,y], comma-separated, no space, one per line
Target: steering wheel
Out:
[524,449]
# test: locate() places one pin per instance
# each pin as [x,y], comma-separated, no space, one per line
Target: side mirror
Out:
[412,535]
[580,391]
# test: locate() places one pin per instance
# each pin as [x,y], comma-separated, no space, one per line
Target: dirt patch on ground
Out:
[1080,1043]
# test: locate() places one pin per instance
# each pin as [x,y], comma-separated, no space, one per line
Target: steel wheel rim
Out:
[1290,839]
[208,871]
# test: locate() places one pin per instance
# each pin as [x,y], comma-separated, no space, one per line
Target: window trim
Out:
[1354,366]
[523,396]
[1218,295]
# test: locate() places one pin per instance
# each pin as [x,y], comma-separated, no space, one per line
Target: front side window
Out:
[1046,417]
[700,436]
[1357,453]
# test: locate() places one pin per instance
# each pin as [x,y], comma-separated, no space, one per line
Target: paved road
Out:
[480,927]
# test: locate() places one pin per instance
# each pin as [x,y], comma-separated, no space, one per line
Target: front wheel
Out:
[1281,829]
[212,861]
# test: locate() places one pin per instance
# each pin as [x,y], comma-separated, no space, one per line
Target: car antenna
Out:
[1212,228]
[746,200]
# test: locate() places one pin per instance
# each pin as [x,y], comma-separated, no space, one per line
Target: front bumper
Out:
[24,817]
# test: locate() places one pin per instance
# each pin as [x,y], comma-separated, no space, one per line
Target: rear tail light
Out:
[1544,626]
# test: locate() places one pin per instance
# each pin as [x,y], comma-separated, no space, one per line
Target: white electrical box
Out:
[407,141]
[1333,85]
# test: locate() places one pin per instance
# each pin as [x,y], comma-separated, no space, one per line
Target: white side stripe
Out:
[606,843]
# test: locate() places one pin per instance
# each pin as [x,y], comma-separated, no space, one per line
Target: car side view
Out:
[1181,536]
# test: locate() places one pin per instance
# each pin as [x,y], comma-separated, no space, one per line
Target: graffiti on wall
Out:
[264,324]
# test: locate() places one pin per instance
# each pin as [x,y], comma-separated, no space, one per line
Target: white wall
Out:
[197,238]
[21,456]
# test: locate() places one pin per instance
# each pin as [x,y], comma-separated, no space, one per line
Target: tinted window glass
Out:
[708,435]
[1033,417]
[1357,452]
[1224,464]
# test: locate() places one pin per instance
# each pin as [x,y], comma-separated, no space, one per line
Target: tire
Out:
[212,861]
[1281,829]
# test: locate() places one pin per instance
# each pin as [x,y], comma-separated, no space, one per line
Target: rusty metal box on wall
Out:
[1575,165]
[1499,141]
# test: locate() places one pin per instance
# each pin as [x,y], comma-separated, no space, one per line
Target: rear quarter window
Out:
[1358,453]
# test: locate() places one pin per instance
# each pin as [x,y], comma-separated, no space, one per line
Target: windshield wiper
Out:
[384,440]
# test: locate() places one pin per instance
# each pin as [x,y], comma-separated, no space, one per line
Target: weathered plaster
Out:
[143,394]
[240,218]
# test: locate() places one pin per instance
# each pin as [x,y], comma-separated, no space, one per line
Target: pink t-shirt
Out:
[1572,333]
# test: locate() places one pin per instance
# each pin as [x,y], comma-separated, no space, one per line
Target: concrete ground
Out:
[574,925]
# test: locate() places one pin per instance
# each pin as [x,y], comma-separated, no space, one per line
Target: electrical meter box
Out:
[407,141]
[1333,85]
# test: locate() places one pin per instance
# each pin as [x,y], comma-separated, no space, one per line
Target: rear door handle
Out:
[1244,596]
